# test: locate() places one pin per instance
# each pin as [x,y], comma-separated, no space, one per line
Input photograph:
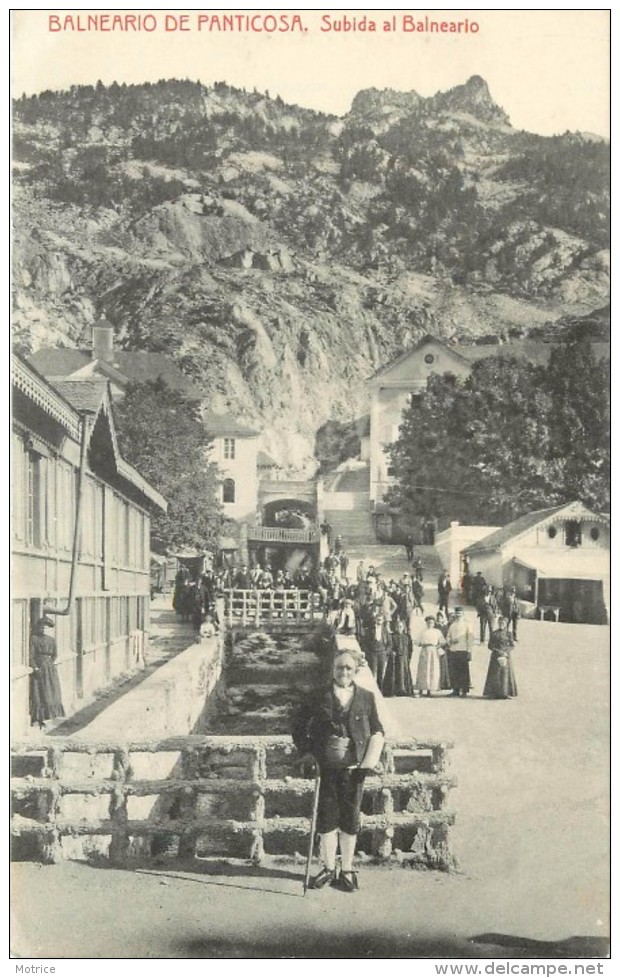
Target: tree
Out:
[512,438]
[161,433]
[579,387]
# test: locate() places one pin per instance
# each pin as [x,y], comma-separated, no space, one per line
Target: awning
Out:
[591,564]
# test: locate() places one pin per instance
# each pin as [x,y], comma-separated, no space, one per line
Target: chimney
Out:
[103,341]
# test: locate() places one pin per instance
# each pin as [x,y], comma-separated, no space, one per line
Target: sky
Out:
[549,70]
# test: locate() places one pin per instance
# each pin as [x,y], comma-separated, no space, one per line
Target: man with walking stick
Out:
[340,728]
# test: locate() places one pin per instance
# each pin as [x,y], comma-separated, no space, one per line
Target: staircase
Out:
[354,525]
[431,564]
[346,506]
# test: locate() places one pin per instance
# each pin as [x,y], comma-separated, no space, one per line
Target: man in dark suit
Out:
[444,586]
[339,728]
[510,609]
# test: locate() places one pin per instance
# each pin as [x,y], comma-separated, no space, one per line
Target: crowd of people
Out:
[408,652]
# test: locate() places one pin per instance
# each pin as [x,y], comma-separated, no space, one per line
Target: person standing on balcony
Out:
[339,729]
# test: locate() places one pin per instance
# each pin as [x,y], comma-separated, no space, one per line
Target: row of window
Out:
[92,623]
[44,499]
[573,533]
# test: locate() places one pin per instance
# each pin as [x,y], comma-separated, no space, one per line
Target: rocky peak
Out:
[472,97]
[373,105]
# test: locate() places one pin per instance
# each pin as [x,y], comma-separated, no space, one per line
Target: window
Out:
[429,358]
[20,633]
[228,491]
[229,449]
[572,533]
[19,509]
[595,533]
[51,503]
[33,499]
[66,485]
[552,532]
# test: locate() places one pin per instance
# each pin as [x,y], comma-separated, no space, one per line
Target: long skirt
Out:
[397,679]
[428,677]
[500,682]
[46,698]
[458,664]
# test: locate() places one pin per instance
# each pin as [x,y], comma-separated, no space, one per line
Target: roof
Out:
[265,460]
[136,365]
[84,395]
[534,351]
[584,563]
[225,424]
[66,402]
[496,540]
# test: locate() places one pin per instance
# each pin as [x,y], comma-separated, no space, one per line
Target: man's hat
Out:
[459,608]
[46,622]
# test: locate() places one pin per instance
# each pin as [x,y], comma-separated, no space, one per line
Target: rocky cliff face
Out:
[281,255]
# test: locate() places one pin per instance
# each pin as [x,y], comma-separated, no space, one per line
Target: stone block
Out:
[143,807]
[82,767]
[78,807]
[154,765]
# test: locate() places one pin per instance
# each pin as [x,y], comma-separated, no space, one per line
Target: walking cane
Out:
[315,808]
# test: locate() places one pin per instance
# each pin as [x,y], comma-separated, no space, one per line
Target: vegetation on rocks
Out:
[281,255]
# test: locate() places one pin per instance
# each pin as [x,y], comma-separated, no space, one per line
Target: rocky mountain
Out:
[281,255]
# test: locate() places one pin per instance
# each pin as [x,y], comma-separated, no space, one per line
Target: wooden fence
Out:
[271,607]
[215,796]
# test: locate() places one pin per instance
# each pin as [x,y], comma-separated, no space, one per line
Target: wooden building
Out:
[81,537]
[558,559]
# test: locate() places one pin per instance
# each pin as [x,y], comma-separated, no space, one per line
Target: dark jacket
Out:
[315,722]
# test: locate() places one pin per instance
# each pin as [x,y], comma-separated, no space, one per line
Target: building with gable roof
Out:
[392,387]
[557,559]
[81,537]
[118,367]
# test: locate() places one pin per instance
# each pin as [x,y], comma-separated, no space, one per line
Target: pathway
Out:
[168,636]
[531,837]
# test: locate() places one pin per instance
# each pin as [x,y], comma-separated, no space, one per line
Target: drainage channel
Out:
[232,789]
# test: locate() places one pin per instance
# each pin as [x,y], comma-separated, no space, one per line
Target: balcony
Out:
[281,534]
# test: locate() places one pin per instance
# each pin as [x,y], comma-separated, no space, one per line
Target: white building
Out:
[392,387]
[557,558]
[235,452]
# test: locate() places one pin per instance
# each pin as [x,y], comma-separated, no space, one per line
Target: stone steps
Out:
[355,526]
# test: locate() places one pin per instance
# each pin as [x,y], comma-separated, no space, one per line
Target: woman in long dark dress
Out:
[397,680]
[46,700]
[500,682]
